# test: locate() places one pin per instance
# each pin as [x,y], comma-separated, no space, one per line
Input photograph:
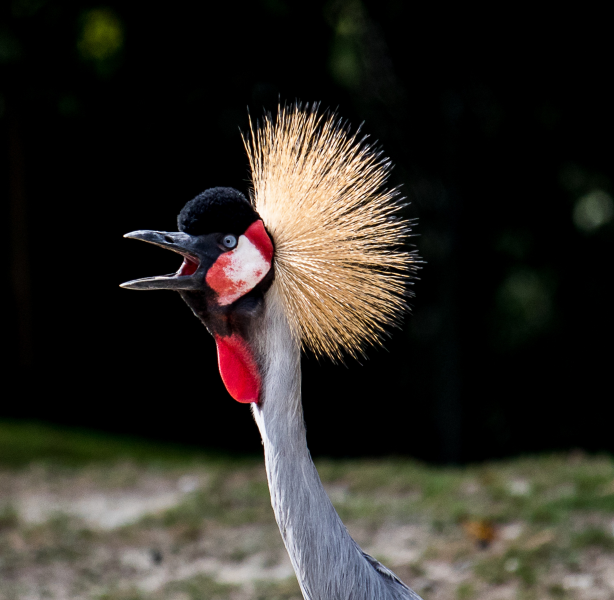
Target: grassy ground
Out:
[87,516]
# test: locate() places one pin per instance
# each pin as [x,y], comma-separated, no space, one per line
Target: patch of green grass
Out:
[493,570]
[531,593]
[557,591]
[190,513]
[396,475]
[561,491]
[555,511]
[539,490]
[232,496]
[583,501]
[548,513]
[465,591]
[24,442]
[288,589]
[516,563]
[129,594]
[58,539]
[9,518]
[200,587]
[593,537]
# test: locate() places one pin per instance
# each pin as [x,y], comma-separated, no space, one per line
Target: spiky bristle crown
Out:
[339,256]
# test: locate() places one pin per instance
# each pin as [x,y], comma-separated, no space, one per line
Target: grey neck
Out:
[328,563]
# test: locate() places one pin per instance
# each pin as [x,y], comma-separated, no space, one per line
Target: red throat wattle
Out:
[238,368]
[234,274]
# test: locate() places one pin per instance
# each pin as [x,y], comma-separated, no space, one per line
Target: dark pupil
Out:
[230,241]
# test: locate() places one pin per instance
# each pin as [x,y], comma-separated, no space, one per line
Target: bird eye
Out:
[229,241]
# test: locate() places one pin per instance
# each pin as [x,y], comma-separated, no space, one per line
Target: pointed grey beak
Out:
[189,276]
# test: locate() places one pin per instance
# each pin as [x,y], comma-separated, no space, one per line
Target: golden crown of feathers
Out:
[339,256]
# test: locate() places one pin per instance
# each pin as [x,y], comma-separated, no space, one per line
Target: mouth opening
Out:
[188,267]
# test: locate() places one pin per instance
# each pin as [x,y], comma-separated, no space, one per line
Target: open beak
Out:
[190,275]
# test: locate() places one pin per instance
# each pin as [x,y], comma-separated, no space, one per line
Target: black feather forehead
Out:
[219,209]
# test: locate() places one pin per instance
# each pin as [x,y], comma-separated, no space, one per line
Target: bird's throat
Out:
[238,368]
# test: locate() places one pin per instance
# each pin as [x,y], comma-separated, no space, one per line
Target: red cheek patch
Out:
[238,368]
[237,272]
[222,278]
[257,235]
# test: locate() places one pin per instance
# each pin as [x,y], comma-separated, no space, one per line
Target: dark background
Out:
[501,128]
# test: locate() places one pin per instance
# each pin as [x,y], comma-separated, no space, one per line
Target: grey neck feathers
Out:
[328,563]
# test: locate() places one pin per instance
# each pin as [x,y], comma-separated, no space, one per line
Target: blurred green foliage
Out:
[24,442]
[548,514]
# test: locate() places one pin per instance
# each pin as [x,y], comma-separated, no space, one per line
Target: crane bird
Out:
[313,260]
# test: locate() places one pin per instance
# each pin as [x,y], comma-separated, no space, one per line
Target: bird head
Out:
[226,269]
[320,223]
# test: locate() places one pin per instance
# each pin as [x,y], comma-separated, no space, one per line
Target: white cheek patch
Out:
[237,272]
